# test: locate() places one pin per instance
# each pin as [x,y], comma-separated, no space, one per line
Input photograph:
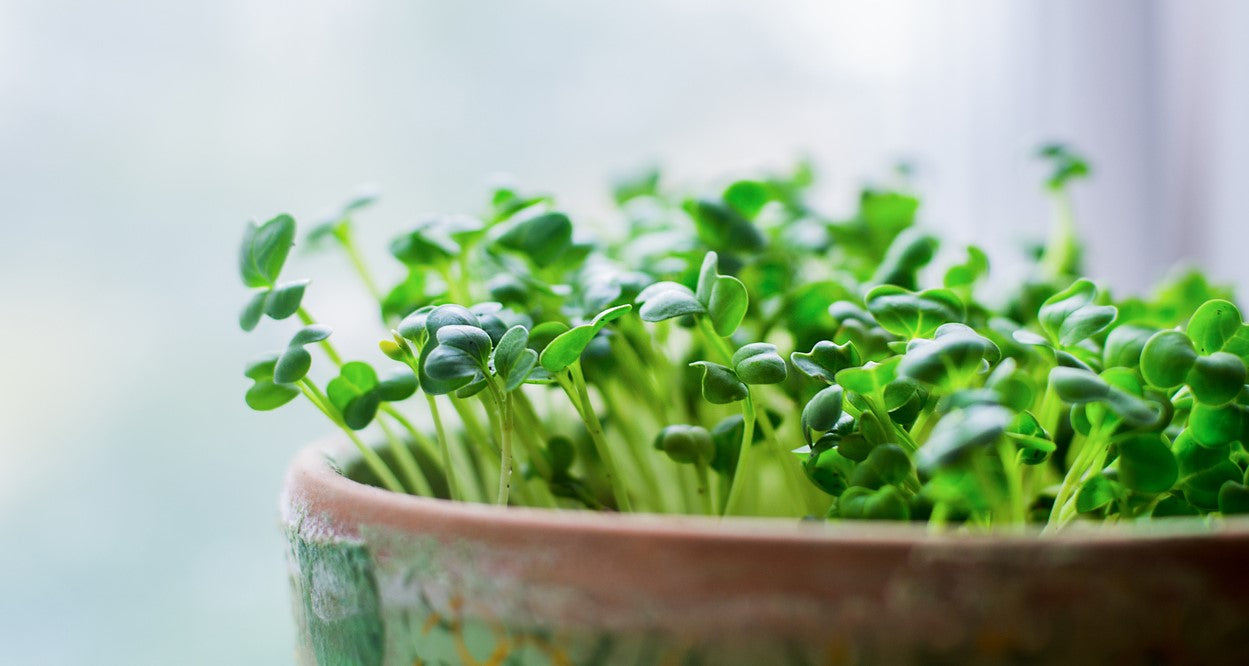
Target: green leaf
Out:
[887,503]
[1065,164]
[543,238]
[424,246]
[728,305]
[451,365]
[869,378]
[719,385]
[509,349]
[1071,315]
[400,385]
[951,359]
[292,365]
[887,464]
[266,395]
[910,252]
[284,299]
[1079,386]
[1124,346]
[1035,444]
[471,340]
[353,393]
[1233,498]
[686,444]
[520,370]
[825,360]
[1096,493]
[667,300]
[310,334]
[747,197]
[264,250]
[1146,464]
[822,411]
[253,311]
[1216,379]
[959,433]
[413,325]
[567,347]
[1167,358]
[758,363]
[723,228]
[968,272]
[913,315]
[1215,426]
[1212,325]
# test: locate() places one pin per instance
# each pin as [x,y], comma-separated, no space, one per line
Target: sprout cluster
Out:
[744,354]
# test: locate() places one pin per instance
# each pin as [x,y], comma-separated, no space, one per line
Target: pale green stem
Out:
[453,485]
[407,464]
[374,461]
[748,433]
[573,383]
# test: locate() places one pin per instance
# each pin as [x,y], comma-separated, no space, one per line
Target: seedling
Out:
[744,354]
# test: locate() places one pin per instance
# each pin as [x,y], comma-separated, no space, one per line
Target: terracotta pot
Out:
[382,578]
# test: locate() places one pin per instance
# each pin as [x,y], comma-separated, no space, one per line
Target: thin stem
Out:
[374,461]
[714,341]
[748,433]
[453,484]
[786,460]
[347,240]
[1014,483]
[421,439]
[704,489]
[573,383]
[407,464]
[498,405]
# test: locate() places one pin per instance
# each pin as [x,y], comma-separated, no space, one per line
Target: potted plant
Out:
[737,430]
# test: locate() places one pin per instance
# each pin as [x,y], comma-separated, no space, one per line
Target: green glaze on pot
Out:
[336,603]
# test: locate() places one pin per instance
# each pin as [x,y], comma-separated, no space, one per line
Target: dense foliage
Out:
[745,354]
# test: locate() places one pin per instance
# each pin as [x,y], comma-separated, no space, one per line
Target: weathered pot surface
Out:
[383,578]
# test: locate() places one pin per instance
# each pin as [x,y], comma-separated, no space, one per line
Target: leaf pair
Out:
[722,298]
[1079,387]
[913,314]
[686,444]
[565,348]
[261,257]
[755,363]
[951,359]
[357,393]
[1196,358]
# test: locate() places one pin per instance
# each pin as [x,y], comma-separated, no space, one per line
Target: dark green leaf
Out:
[1212,325]
[822,411]
[264,250]
[825,360]
[758,363]
[1146,464]
[253,311]
[284,299]
[666,300]
[719,385]
[1167,358]
[1071,315]
[542,238]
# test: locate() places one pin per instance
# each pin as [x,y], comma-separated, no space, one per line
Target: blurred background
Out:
[138,494]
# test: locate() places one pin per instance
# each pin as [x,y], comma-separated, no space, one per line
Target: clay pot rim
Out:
[315,489]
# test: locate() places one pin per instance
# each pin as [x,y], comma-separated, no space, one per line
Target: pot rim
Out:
[315,488]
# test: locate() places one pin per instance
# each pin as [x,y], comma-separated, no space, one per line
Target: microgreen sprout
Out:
[740,353]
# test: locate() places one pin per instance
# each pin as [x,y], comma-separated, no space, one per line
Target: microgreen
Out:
[778,361]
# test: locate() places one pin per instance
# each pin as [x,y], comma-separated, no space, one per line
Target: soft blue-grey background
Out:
[138,495]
